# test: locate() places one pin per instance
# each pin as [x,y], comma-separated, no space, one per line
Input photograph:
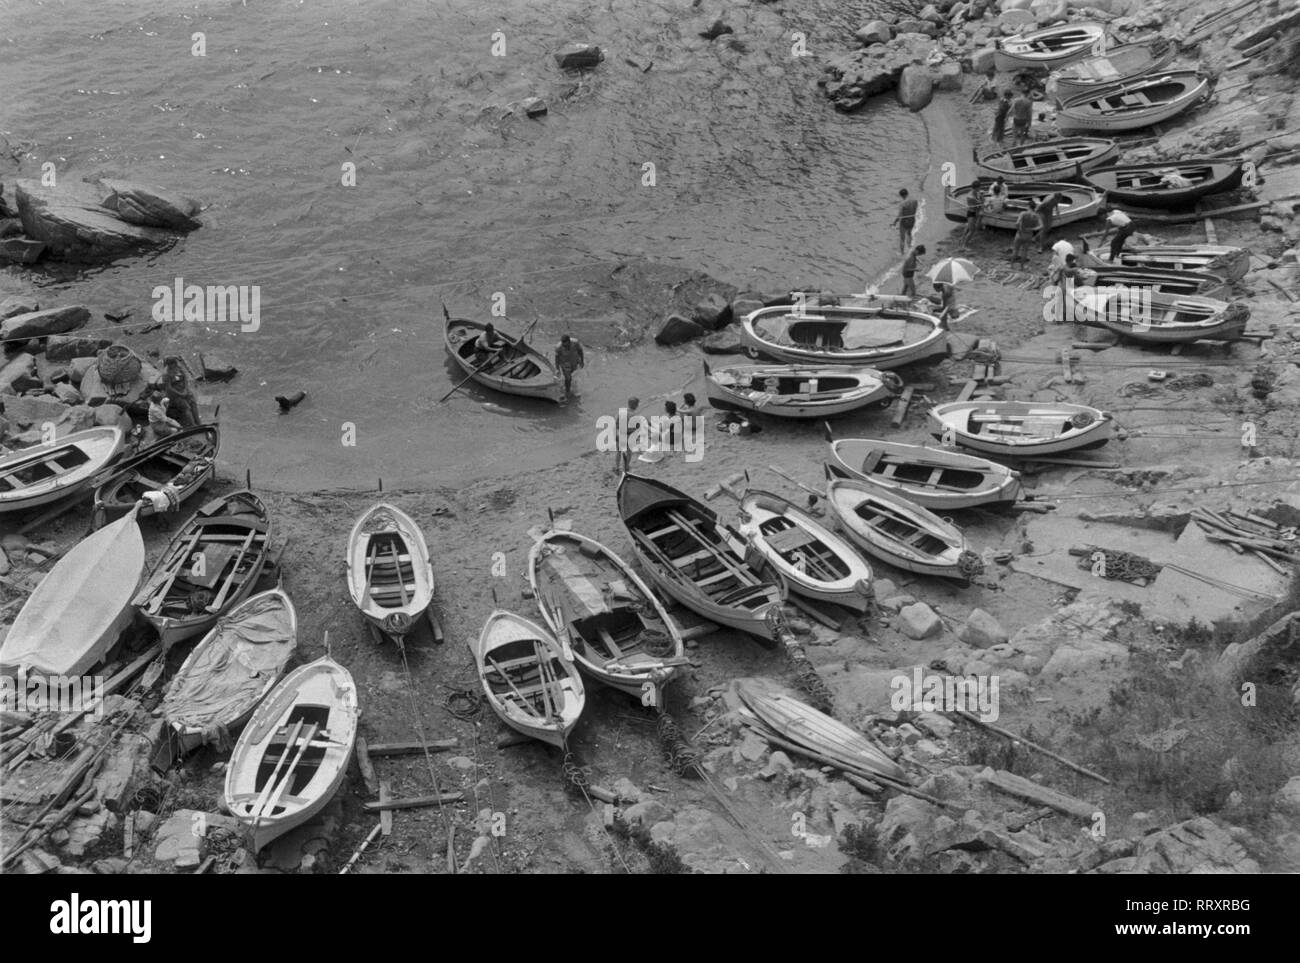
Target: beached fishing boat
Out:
[1134,104]
[528,677]
[936,478]
[390,577]
[46,473]
[1101,273]
[217,687]
[1158,318]
[1050,47]
[520,369]
[1230,263]
[885,336]
[211,565]
[803,725]
[694,558]
[293,755]
[1168,185]
[892,528]
[798,391]
[1050,160]
[1078,203]
[81,607]
[814,561]
[174,468]
[1117,65]
[619,632]
[1020,429]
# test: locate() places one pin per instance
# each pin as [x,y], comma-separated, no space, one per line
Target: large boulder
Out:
[60,347]
[150,207]
[1048,12]
[20,250]
[32,411]
[678,330]
[20,366]
[712,311]
[75,225]
[877,31]
[917,26]
[915,88]
[40,324]
[983,60]
[17,304]
[726,341]
[1014,21]
[981,630]
[857,76]
[919,621]
[578,56]
[946,76]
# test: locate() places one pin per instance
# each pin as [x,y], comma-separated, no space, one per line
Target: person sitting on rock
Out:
[180,398]
[159,421]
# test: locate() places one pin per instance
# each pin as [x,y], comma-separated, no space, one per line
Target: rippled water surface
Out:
[758,183]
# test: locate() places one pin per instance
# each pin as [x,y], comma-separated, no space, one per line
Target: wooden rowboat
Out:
[814,561]
[1062,159]
[799,391]
[528,677]
[1166,185]
[882,337]
[176,467]
[81,606]
[1079,202]
[803,725]
[211,565]
[1118,65]
[889,527]
[518,370]
[935,478]
[1104,274]
[1159,319]
[217,687]
[390,577]
[293,755]
[1134,104]
[1050,47]
[1230,263]
[696,559]
[1020,429]
[619,632]
[46,473]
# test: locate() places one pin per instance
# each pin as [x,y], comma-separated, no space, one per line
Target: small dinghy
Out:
[619,632]
[1104,274]
[529,678]
[211,565]
[216,689]
[520,369]
[293,755]
[882,337]
[803,725]
[46,473]
[1050,47]
[1020,429]
[814,561]
[1078,203]
[1134,104]
[1160,319]
[1119,65]
[1169,185]
[390,578]
[161,476]
[935,478]
[1049,160]
[694,558]
[1230,263]
[81,607]
[799,391]
[893,529]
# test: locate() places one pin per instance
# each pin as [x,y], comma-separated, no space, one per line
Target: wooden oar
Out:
[525,704]
[545,677]
[797,484]
[270,783]
[477,370]
[288,773]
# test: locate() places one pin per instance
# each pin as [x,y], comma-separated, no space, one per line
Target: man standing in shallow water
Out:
[569,358]
[906,220]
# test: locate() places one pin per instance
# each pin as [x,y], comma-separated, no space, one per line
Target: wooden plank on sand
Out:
[1022,788]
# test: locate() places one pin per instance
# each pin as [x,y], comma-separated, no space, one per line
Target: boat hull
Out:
[846,576]
[182,471]
[963,481]
[1134,105]
[1049,48]
[1231,263]
[884,337]
[1118,65]
[390,577]
[1020,430]
[761,389]
[1080,203]
[1164,320]
[67,466]
[1063,159]
[536,376]
[1138,185]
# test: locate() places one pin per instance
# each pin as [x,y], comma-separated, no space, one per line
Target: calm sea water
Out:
[758,182]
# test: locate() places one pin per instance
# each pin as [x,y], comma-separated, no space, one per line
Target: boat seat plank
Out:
[687,560]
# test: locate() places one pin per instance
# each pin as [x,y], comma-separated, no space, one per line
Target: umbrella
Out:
[953,270]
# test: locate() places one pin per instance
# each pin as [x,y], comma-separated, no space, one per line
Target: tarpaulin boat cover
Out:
[228,673]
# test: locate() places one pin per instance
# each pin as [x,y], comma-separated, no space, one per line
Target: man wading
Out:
[909,270]
[906,220]
[568,358]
